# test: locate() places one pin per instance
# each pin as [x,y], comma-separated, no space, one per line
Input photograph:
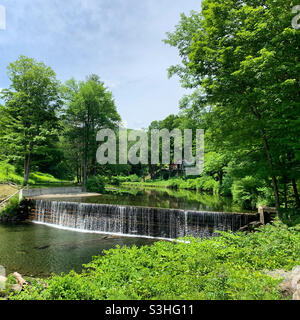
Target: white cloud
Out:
[120,40]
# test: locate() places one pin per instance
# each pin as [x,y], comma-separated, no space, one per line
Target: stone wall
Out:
[35,192]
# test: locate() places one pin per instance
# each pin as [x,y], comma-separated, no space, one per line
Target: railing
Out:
[62,183]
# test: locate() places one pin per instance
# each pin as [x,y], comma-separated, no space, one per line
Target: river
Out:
[39,250]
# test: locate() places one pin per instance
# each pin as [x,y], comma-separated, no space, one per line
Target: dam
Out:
[136,221]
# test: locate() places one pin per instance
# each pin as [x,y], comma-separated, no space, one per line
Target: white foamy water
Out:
[144,222]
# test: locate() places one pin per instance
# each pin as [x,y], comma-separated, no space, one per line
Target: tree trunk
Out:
[84,176]
[220,178]
[285,194]
[296,193]
[27,163]
[77,172]
[85,151]
[269,159]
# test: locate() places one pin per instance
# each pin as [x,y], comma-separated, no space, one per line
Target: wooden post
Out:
[265,214]
[20,195]
[261,214]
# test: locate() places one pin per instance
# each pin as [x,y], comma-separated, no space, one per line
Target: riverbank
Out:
[204,184]
[229,267]
[13,282]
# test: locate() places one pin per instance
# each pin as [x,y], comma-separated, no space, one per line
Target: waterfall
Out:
[136,221]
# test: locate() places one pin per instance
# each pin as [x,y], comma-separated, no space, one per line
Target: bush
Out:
[8,174]
[39,177]
[117,180]
[207,183]
[11,208]
[248,192]
[229,267]
[95,184]
[226,189]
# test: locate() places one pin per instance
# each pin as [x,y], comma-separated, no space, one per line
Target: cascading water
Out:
[136,221]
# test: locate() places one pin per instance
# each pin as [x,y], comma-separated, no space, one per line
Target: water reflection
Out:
[163,198]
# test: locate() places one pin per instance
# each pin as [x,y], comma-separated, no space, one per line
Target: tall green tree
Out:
[89,108]
[245,57]
[29,116]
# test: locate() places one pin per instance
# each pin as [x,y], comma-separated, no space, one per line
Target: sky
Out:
[120,40]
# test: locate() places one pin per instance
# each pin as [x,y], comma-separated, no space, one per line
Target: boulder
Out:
[291,283]
[2,282]
[19,278]
[296,270]
[296,282]
[2,271]
[286,288]
[16,287]
[279,274]
[296,295]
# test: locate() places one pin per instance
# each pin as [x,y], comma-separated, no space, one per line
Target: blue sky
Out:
[120,40]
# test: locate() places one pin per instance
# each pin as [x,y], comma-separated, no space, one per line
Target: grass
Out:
[36,179]
[204,184]
[6,191]
[8,174]
[11,207]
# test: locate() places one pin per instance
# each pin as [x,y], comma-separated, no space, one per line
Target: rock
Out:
[20,280]
[255,224]
[16,287]
[279,274]
[296,282]
[286,288]
[291,284]
[243,229]
[250,227]
[2,282]
[296,295]
[2,271]
[296,270]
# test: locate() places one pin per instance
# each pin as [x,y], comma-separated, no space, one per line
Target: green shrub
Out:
[247,192]
[96,184]
[227,185]
[207,183]
[11,207]
[117,180]
[204,183]
[290,217]
[39,177]
[8,174]
[134,178]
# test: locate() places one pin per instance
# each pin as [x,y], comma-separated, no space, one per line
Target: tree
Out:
[245,57]
[90,107]
[30,112]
